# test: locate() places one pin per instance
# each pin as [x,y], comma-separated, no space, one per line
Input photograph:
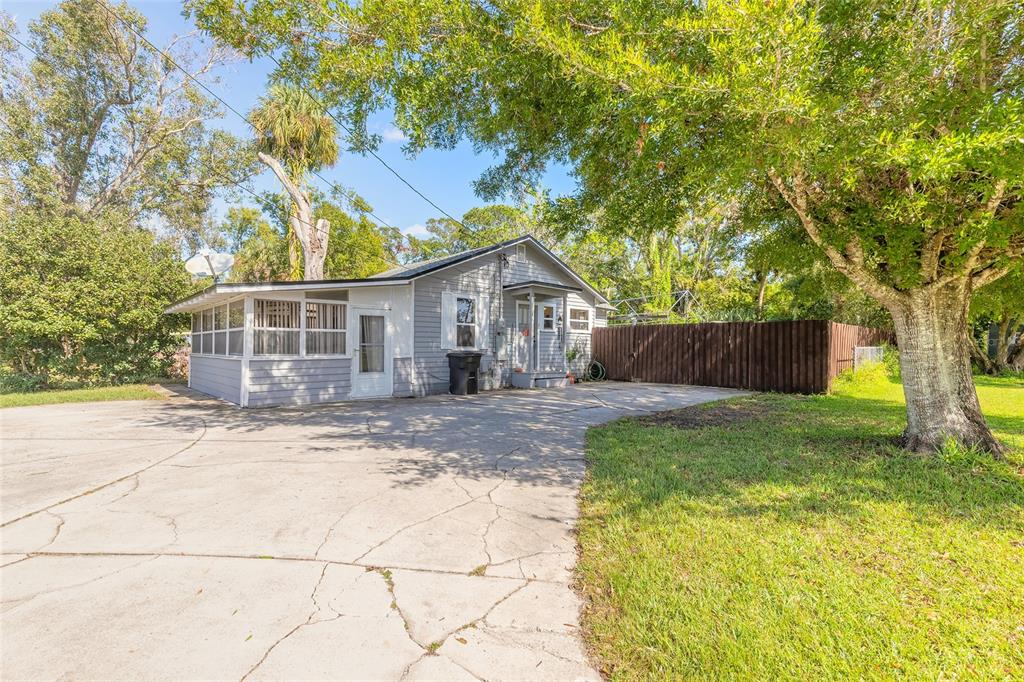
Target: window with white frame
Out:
[326,326]
[549,318]
[579,319]
[275,327]
[219,330]
[197,332]
[465,322]
[521,253]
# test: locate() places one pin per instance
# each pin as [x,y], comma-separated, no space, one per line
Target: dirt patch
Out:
[716,414]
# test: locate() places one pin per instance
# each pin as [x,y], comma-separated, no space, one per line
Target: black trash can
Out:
[463,368]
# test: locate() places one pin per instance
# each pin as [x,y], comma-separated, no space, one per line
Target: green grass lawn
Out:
[80,395]
[797,542]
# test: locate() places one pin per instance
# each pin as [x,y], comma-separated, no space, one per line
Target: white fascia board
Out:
[206,298]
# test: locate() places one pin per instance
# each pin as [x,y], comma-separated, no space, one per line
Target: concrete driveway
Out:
[402,539]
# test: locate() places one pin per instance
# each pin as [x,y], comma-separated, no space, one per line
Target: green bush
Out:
[891,362]
[81,301]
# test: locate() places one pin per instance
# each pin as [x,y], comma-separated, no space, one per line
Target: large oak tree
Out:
[891,132]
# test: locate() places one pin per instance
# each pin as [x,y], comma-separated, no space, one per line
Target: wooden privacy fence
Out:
[802,356]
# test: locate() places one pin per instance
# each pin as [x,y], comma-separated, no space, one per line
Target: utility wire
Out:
[327,111]
[172,62]
[371,152]
[259,198]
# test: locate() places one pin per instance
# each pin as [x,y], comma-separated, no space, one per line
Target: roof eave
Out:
[218,291]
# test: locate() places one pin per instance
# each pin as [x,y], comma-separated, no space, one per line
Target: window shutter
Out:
[447,320]
[484,324]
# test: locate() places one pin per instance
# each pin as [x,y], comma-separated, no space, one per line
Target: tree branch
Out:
[851,264]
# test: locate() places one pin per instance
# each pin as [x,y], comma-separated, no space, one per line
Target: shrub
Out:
[82,301]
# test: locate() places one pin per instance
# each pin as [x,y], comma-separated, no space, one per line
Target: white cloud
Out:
[416,230]
[393,134]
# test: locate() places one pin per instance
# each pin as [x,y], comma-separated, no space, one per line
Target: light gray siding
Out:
[220,377]
[298,381]
[537,267]
[477,276]
[403,378]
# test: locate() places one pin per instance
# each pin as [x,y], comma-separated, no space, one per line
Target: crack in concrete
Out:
[265,557]
[431,648]
[309,619]
[115,481]
[16,561]
[497,633]
[330,530]
[426,520]
[126,493]
[56,531]
[17,602]
[503,456]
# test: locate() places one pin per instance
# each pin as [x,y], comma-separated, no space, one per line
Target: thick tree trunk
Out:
[934,345]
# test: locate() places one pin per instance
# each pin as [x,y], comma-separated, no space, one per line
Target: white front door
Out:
[522,340]
[372,364]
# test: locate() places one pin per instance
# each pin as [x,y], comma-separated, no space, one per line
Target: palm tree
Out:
[295,136]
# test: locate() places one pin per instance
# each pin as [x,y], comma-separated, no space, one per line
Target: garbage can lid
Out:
[465,354]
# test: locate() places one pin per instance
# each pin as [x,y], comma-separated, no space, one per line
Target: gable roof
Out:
[402,274]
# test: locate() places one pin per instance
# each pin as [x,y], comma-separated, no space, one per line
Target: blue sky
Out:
[444,176]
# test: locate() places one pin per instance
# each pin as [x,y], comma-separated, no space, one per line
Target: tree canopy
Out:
[95,121]
[109,166]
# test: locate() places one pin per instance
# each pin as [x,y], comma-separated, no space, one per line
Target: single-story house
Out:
[289,343]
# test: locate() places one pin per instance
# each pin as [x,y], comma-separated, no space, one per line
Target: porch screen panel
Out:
[220,324]
[325,328]
[275,327]
[236,327]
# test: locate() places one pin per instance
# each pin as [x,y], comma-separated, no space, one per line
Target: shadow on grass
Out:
[801,457]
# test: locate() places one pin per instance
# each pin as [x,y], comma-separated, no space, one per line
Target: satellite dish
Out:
[209,264]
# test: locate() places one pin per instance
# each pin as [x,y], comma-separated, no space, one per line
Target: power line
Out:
[327,111]
[227,180]
[372,153]
[172,62]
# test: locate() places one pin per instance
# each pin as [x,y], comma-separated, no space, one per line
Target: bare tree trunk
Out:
[934,344]
[762,286]
[294,261]
[1016,358]
[312,235]
[979,353]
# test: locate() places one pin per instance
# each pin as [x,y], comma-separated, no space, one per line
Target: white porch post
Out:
[565,332]
[302,325]
[533,333]
[247,345]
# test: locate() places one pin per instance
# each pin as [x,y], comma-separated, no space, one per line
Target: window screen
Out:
[275,327]
[465,322]
[326,328]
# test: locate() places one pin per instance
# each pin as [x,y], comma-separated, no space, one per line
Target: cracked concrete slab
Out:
[437,605]
[403,539]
